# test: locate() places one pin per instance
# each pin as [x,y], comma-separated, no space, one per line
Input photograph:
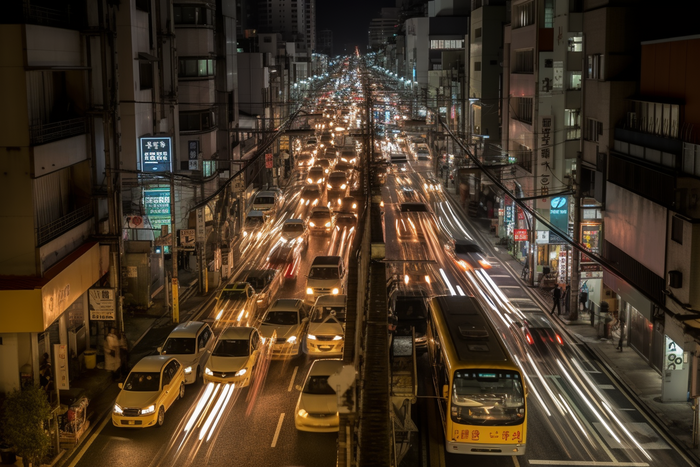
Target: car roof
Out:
[188,329]
[152,363]
[414,207]
[326,261]
[325,367]
[537,321]
[294,221]
[255,213]
[338,173]
[236,332]
[465,241]
[321,209]
[286,304]
[267,193]
[332,300]
[238,285]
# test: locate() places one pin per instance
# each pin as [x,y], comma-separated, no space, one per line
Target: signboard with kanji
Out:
[102,304]
[187,238]
[268,161]
[156,154]
[201,227]
[545,159]
[520,235]
[193,149]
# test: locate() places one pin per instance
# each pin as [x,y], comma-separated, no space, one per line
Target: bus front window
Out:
[487,397]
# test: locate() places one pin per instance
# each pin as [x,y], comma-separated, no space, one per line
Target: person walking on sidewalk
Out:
[556,295]
[111,348]
[565,298]
[622,331]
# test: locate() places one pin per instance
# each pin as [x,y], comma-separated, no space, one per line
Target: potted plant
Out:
[24,414]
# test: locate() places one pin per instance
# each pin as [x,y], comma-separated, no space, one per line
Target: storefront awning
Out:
[31,304]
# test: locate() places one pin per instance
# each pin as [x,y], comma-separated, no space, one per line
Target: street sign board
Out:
[156,154]
[268,161]
[520,235]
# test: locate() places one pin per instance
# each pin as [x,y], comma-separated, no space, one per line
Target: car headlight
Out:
[292,340]
[354,205]
[241,372]
[117,409]
[320,180]
[148,410]
[328,224]
[188,370]
[245,234]
[335,291]
[311,224]
[343,186]
[309,291]
[207,371]
[309,180]
[329,186]
[338,338]
[315,202]
[303,413]
[311,337]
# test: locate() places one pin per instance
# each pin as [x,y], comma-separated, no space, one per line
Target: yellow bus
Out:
[482,393]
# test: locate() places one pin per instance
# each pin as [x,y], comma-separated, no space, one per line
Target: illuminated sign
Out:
[156,154]
[559,213]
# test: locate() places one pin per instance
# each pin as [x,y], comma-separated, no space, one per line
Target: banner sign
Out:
[559,213]
[155,154]
[60,355]
[545,161]
[268,161]
[102,304]
[520,235]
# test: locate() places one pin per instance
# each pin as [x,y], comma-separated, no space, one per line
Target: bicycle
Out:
[525,274]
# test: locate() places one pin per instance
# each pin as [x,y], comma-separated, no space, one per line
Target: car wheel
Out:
[182,391]
[161,416]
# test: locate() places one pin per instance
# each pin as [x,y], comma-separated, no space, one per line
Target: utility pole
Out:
[173,250]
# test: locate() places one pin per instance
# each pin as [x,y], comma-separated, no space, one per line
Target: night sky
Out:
[349,21]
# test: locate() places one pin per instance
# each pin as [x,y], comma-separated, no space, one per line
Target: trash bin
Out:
[90,359]
[7,454]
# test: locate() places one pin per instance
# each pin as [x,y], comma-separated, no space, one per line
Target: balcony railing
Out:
[43,133]
[55,229]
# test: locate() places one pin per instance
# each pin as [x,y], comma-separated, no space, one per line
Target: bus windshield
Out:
[487,397]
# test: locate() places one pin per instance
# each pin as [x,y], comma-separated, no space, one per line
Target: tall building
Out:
[324,42]
[310,24]
[383,28]
[294,20]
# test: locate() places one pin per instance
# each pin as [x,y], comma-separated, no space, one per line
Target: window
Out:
[477,66]
[524,15]
[197,120]
[191,15]
[209,168]
[548,13]
[197,68]
[575,44]
[146,75]
[524,61]
[447,44]
[477,33]
[677,230]
[572,122]
[594,70]
[523,109]
[594,129]
[574,81]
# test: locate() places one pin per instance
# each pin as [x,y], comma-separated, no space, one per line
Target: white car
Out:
[286,321]
[191,344]
[326,334]
[317,407]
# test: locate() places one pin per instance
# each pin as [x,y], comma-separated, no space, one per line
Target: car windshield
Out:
[310,192]
[318,384]
[179,346]
[467,248]
[293,228]
[253,222]
[414,207]
[142,381]
[320,215]
[264,200]
[328,313]
[323,272]
[233,294]
[487,397]
[231,348]
[283,318]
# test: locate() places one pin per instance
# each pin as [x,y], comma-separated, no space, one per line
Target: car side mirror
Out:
[160,349]
[297,387]
[120,385]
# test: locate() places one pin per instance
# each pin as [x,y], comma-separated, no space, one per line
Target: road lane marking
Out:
[596,463]
[294,375]
[515,461]
[606,386]
[277,431]
[90,441]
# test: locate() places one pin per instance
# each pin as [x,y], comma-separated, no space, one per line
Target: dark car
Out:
[467,254]
[539,334]
[411,312]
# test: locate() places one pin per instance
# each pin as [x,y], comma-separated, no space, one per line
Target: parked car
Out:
[191,344]
[286,320]
[317,407]
[235,356]
[149,390]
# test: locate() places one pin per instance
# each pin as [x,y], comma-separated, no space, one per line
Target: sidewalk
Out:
[143,331]
[641,382]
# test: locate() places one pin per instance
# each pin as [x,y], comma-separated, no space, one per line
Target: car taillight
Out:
[560,340]
[528,337]
[289,272]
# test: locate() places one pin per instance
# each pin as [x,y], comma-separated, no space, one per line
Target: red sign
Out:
[520,235]
[268,161]
[521,214]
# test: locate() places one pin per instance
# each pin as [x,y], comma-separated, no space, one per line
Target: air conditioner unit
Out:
[675,279]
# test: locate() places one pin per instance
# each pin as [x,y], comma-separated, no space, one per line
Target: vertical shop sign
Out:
[60,352]
[545,162]
[559,213]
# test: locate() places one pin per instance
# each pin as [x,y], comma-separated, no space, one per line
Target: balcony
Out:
[43,133]
[55,229]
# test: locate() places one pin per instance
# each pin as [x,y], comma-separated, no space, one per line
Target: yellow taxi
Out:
[317,407]
[152,386]
[234,357]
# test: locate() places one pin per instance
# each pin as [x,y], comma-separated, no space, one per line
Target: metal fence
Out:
[48,232]
[43,133]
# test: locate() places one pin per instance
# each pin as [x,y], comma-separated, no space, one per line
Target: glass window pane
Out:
[188,15]
[191,68]
[210,67]
[201,68]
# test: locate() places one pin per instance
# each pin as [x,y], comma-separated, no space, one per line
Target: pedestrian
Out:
[111,349]
[565,298]
[123,354]
[622,331]
[556,295]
